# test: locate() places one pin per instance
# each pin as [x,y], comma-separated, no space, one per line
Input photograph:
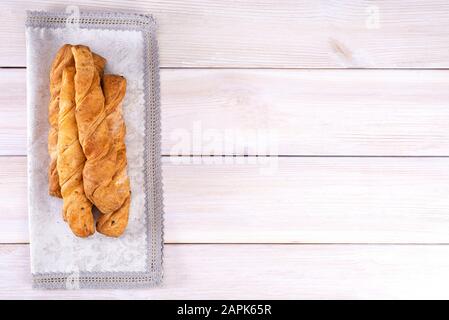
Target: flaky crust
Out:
[118,191]
[114,224]
[93,129]
[63,59]
[77,208]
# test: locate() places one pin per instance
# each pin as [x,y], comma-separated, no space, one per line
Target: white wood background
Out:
[355,203]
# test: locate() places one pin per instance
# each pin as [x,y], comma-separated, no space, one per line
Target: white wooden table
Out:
[356,95]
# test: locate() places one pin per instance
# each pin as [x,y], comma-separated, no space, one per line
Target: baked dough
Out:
[118,191]
[63,59]
[93,130]
[77,208]
[86,142]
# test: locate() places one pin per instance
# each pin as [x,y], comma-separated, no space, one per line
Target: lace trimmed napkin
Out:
[58,258]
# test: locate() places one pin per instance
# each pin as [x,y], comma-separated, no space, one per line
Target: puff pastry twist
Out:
[77,208]
[94,136]
[63,59]
[118,191]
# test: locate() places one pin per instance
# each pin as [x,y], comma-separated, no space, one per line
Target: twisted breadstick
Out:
[114,224]
[93,131]
[63,58]
[77,208]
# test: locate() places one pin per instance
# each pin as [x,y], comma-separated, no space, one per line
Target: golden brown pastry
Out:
[114,224]
[63,58]
[77,208]
[93,130]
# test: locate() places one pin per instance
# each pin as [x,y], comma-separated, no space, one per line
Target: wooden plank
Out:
[13,203]
[254,33]
[266,272]
[287,200]
[289,112]
[13,117]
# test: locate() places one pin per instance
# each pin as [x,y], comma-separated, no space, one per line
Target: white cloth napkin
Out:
[58,258]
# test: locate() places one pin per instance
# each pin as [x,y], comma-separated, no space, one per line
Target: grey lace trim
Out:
[152,153]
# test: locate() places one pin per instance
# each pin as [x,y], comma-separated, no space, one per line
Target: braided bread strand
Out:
[77,208]
[62,59]
[113,224]
[93,129]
